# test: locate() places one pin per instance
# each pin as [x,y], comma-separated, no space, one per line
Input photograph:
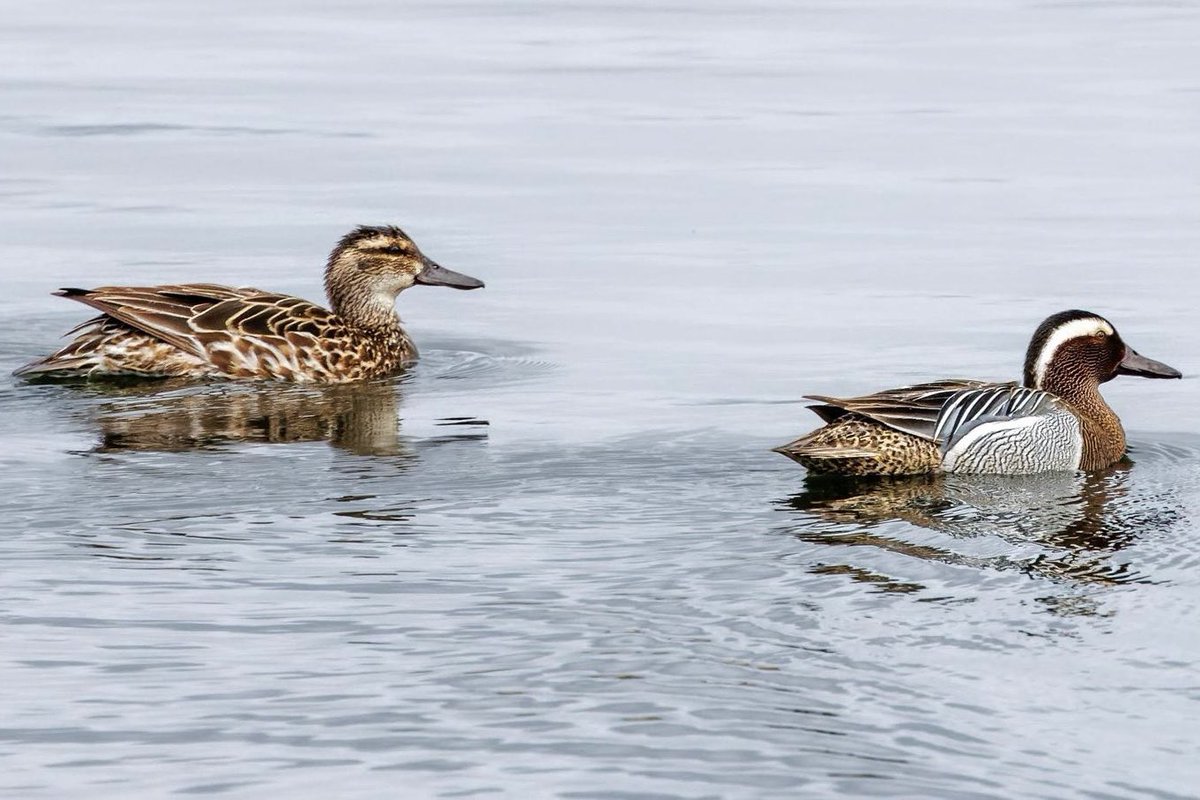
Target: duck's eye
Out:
[395,249]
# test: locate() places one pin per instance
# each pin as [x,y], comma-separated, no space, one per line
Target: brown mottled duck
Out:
[202,330]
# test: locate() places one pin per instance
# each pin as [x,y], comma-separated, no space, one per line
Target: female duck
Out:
[1056,421]
[201,330]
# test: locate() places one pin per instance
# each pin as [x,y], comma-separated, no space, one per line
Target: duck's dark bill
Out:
[1134,364]
[433,275]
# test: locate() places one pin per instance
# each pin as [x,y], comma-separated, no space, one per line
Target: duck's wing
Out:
[909,409]
[969,409]
[194,316]
[164,312]
[1009,430]
[263,316]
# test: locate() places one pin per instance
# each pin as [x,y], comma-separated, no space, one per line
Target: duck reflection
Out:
[359,418]
[1076,521]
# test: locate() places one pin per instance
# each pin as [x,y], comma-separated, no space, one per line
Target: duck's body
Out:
[208,331]
[947,426]
[1057,421]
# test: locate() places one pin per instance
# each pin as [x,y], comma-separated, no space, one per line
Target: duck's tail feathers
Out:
[796,450]
[51,367]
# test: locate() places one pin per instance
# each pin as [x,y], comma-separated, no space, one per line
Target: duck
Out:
[1055,420]
[209,331]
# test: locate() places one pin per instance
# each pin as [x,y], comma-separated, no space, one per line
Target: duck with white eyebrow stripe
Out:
[1057,421]
[205,331]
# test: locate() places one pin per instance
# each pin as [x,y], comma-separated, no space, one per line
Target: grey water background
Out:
[557,558]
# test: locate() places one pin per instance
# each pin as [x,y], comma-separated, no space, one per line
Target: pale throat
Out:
[385,301]
[369,309]
[378,309]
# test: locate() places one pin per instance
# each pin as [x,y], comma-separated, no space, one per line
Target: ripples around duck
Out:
[1072,530]
[394,593]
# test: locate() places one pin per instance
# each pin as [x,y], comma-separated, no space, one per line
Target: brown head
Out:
[373,264]
[1073,352]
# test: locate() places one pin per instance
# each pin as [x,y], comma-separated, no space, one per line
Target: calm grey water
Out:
[557,558]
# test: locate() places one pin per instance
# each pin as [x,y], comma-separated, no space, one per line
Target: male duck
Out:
[201,330]
[1056,421]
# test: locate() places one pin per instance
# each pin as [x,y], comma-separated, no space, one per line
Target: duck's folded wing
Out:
[262,316]
[970,408]
[164,312]
[193,316]
[909,409]
[1008,430]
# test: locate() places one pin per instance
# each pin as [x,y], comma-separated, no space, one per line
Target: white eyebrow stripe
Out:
[1075,329]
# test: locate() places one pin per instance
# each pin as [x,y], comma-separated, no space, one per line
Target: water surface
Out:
[557,558]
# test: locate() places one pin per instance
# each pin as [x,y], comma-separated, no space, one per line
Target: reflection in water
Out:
[170,417]
[1078,520]
[361,418]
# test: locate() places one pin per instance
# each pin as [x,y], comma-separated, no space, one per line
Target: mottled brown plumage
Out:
[896,432]
[201,330]
[857,445]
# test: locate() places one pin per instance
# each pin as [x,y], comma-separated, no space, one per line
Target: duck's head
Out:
[1073,351]
[379,262]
